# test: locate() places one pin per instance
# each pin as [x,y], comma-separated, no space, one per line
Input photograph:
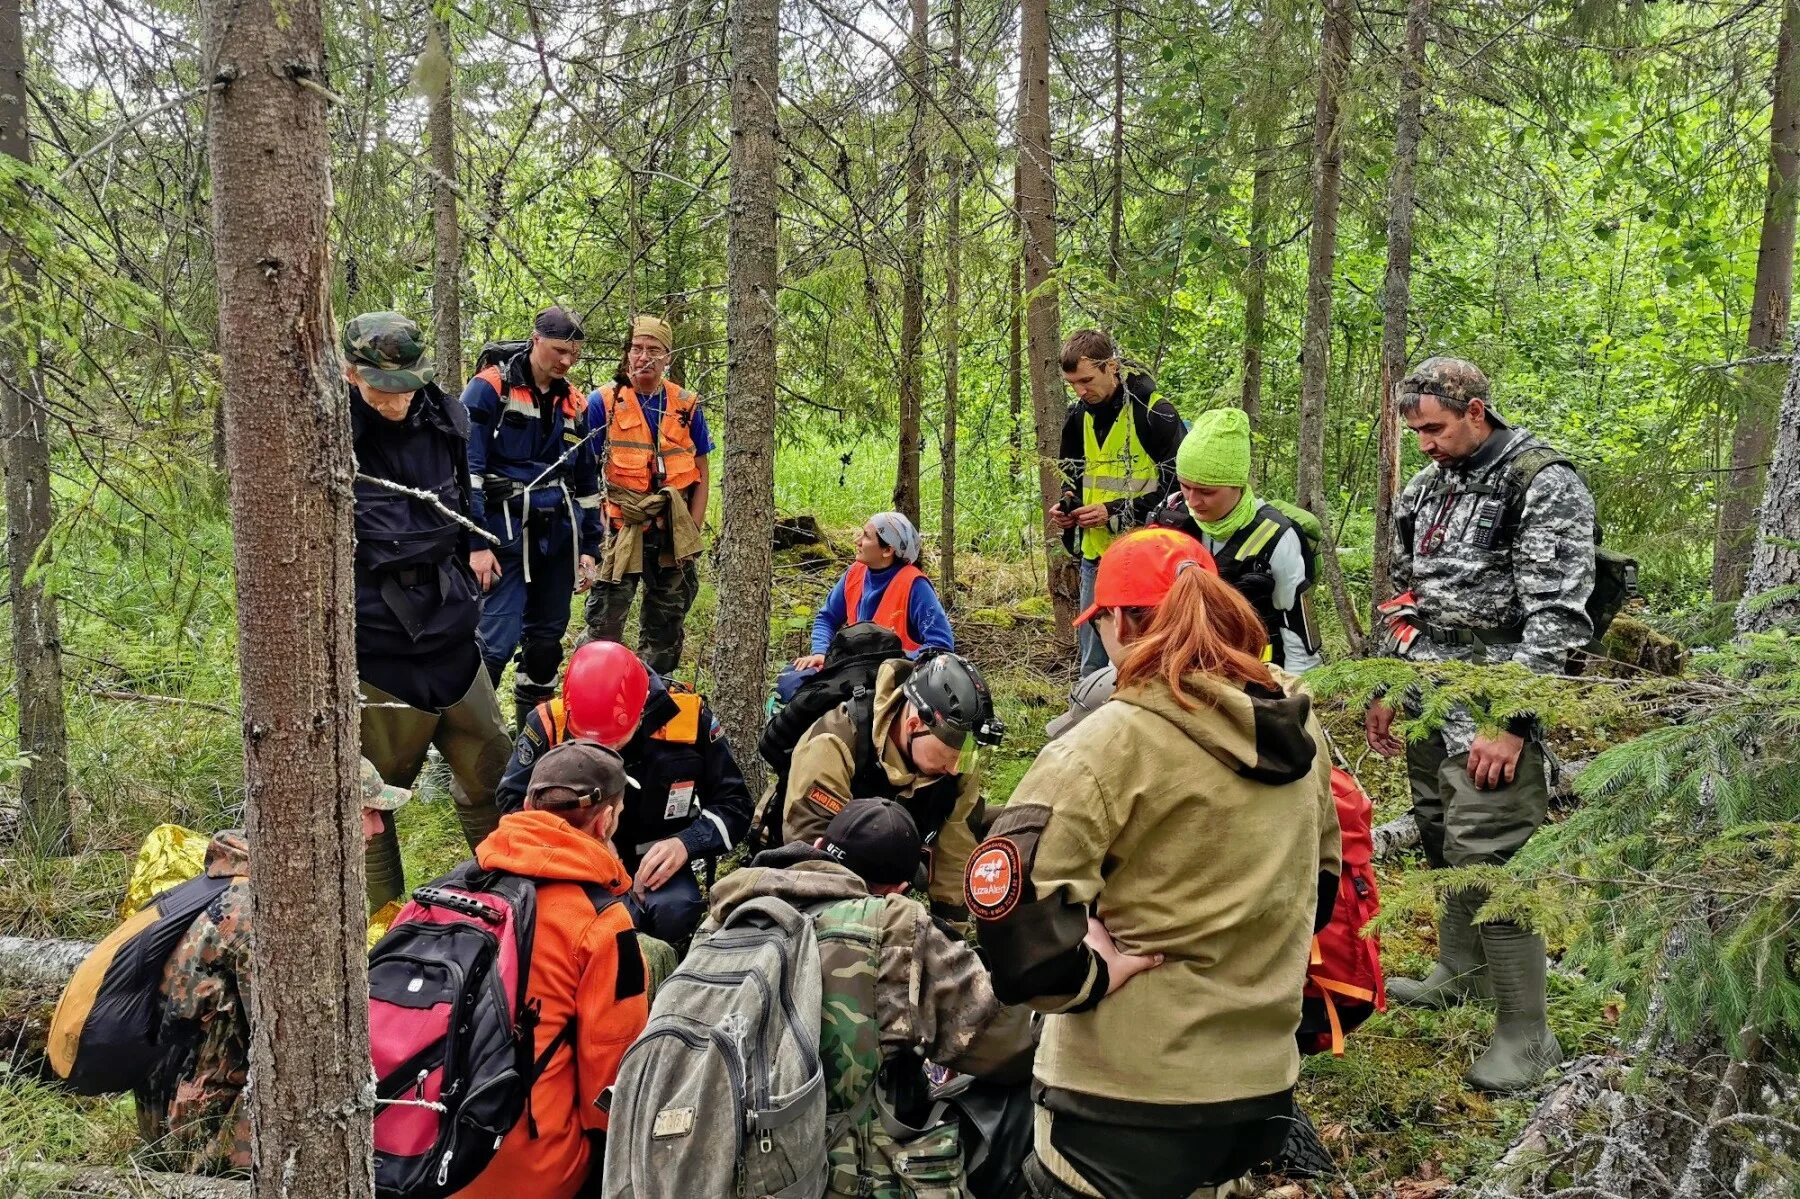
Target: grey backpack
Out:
[722,1094]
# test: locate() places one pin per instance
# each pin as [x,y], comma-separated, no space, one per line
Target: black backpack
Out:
[499,353]
[851,664]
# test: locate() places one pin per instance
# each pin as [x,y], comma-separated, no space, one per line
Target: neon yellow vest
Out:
[1120,469]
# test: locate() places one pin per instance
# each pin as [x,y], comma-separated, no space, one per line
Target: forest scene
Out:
[860,239]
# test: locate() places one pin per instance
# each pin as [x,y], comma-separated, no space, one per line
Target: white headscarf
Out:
[898,534]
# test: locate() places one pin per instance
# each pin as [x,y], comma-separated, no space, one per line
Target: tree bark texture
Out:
[1396,302]
[1115,240]
[1327,172]
[44,818]
[288,442]
[1037,216]
[952,323]
[912,276]
[446,260]
[1256,278]
[1776,562]
[1015,355]
[1742,486]
[741,636]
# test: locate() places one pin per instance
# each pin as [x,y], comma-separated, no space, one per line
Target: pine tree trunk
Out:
[1116,232]
[741,633]
[1397,295]
[1743,485]
[1037,214]
[446,259]
[912,276]
[1315,365]
[1776,563]
[1015,356]
[288,441]
[44,818]
[1256,275]
[952,323]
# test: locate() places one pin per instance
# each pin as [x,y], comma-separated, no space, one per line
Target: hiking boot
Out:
[1461,973]
[1523,1047]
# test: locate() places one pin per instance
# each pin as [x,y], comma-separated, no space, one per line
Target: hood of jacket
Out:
[228,854]
[797,873]
[543,845]
[1259,732]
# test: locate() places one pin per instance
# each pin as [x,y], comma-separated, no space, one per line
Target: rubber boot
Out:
[383,876]
[1523,1047]
[477,821]
[1461,972]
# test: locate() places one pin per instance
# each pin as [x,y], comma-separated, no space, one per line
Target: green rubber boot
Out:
[1523,1047]
[382,873]
[1461,972]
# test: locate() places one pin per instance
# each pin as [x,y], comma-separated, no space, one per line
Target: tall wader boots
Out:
[1461,973]
[1523,1047]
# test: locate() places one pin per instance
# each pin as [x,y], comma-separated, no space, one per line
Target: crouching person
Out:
[895,991]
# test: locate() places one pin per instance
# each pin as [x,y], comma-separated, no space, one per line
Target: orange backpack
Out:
[1344,984]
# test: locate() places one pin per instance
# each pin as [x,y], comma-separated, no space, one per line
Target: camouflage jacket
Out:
[191,1110]
[932,998]
[1534,584]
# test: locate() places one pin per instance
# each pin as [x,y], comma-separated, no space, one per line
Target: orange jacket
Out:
[891,611]
[631,452]
[585,967]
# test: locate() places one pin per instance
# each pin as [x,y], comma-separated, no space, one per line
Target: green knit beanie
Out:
[1216,451]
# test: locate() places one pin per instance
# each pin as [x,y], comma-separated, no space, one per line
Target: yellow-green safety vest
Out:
[1120,469]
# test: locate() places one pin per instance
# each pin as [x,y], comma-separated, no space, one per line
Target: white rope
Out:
[427,497]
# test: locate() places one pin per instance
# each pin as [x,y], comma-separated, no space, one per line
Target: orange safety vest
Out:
[523,399]
[634,460]
[890,612]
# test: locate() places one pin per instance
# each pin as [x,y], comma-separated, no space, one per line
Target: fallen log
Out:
[39,967]
[1395,835]
[95,1182]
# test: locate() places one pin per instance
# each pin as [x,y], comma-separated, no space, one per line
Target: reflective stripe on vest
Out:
[631,452]
[683,728]
[522,399]
[1119,469]
[891,609]
[553,714]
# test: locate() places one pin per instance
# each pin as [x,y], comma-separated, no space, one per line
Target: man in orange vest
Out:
[651,437]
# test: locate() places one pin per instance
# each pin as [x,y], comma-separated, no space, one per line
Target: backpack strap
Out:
[1521,470]
[868,779]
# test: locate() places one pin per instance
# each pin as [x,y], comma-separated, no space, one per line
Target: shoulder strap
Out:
[868,778]
[599,896]
[1524,467]
[1255,542]
[855,920]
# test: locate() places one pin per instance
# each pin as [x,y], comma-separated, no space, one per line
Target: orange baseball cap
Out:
[1138,569]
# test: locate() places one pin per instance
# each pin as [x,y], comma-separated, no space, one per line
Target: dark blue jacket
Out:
[417,603]
[686,788]
[520,434]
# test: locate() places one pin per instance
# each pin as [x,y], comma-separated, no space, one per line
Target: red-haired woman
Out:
[1185,832]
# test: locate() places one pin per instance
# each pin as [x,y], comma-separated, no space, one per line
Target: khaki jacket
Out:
[1197,834]
[824,765]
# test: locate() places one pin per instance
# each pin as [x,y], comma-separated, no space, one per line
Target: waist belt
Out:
[506,490]
[412,576]
[1463,637]
[400,603]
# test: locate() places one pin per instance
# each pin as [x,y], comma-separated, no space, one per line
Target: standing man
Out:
[1494,562]
[417,602]
[651,435]
[1115,473]
[1260,550]
[536,488]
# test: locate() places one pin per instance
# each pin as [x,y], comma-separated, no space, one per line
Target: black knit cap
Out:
[877,840]
[558,324]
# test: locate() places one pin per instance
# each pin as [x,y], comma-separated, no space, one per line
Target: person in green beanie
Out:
[1262,550]
[1115,472]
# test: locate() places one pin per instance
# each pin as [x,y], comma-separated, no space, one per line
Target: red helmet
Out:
[604,690]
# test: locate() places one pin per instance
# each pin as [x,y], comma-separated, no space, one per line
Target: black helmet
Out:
[953,699]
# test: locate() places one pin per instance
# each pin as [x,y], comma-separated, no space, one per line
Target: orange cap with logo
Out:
[1137,570]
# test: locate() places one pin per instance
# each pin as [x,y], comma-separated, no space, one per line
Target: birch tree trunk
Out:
[1037,215]
[44,818]
[1742,486]
[952,322]
[288,444]
[1397,294]
[912,276]
[741,633]
[446,259]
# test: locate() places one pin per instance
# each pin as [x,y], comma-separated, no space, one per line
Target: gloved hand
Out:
[1398,616]
[1257,586]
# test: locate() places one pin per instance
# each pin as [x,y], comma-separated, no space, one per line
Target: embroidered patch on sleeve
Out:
[826,800]
[994,879]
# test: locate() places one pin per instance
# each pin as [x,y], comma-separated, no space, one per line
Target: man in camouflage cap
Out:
[417,603]
[1493,563]
[930,997]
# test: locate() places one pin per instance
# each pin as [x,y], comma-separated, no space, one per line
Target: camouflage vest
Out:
[867,1160]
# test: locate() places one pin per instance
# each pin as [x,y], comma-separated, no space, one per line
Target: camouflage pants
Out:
[1461,825]
[662,625]
[472,737]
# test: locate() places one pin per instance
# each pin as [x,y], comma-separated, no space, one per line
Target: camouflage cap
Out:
[388,351]
[376,793]
[1455,379]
